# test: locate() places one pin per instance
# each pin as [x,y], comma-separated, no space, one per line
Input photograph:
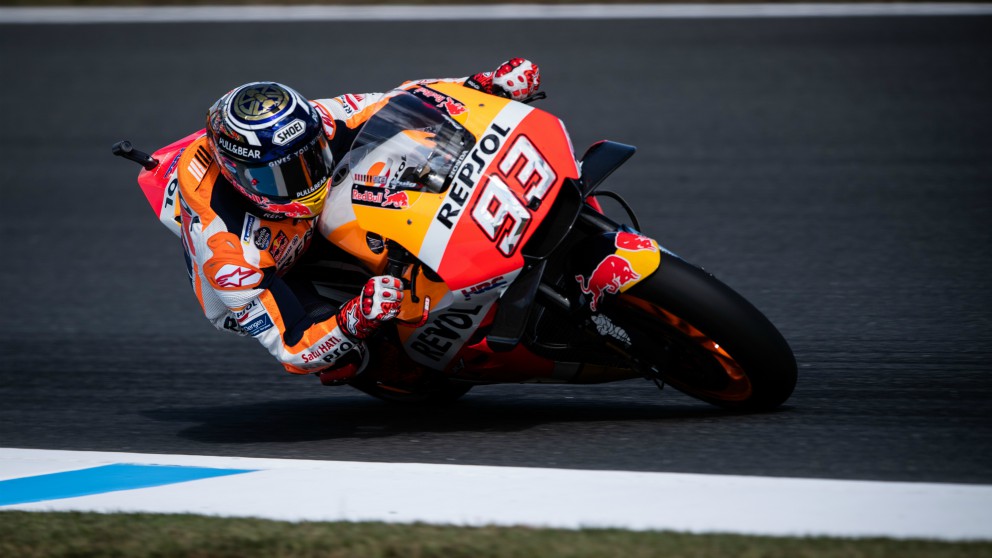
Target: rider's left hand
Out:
[379,302]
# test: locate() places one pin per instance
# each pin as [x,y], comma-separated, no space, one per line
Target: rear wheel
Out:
[704,339]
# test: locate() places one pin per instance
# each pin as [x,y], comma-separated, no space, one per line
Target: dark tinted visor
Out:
[291,177]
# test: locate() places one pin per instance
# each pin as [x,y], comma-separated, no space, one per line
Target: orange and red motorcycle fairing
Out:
[470,233]
[513,272]
[160,185]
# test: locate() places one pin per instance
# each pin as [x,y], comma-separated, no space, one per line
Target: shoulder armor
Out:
[197,174]
[196,168]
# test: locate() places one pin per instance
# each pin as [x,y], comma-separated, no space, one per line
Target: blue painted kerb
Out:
[97,480]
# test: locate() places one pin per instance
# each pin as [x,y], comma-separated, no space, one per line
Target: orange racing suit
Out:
[237,255]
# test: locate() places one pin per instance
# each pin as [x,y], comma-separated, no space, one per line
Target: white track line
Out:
[174,14]
[480,495]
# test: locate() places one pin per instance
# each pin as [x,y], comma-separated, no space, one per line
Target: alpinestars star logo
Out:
[352,322]
[237,277]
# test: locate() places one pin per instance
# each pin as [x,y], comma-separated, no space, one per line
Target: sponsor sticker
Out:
[338,351]
[398,200]
[323,347]
[483,287]
[469,174]
[246,229]
[289,132]
[380,197]
[606,328]
[248,311]
[230,324]
[609,276]
[262,238]
[258,325]
[633,241]
[238,150]
[350,103]
[448,104]
[446,332]
[279,245]
[371,179]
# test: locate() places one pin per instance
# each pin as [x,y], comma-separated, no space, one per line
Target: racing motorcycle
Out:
[512,271]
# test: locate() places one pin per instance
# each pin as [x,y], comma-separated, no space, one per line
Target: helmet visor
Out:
[290,178]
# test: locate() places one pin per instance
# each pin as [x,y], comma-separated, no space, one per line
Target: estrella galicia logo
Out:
[263,237]
[260,102]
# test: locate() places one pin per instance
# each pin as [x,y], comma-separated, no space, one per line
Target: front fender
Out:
[613,262]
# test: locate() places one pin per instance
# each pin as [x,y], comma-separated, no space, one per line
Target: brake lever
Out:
[423,318]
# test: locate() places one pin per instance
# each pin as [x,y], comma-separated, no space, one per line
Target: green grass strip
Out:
[29,535]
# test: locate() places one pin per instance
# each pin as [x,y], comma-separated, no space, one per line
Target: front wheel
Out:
[704,339]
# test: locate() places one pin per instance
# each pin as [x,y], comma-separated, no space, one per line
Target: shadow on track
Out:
[360,418]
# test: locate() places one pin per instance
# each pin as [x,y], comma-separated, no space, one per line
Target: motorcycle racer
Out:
[250,190]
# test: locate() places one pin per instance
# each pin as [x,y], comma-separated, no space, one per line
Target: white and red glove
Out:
[379,302]
[517,79]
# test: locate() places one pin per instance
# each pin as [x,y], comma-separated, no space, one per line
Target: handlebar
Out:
[397,257]
[535,97]
[126,150]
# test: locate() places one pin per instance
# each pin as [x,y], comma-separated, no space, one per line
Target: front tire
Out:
[704,339]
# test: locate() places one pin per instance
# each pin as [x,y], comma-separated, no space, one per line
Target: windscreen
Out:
[409,144]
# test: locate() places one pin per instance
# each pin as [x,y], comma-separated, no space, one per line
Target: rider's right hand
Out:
[379,302]
[517,79]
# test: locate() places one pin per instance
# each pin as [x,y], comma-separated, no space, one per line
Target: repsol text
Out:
[470,173]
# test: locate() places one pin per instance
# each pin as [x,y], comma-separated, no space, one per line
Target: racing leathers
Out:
[238,256]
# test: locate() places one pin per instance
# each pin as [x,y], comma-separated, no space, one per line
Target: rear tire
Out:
[704,339]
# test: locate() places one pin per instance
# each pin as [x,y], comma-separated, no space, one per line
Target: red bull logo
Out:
[453,107]
[609,277]
[399,200]
[292,209]
[632,241]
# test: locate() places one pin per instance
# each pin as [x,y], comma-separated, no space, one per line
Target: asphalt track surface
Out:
[835,171]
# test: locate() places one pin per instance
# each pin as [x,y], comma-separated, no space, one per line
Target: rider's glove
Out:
[516,79]
[380,301]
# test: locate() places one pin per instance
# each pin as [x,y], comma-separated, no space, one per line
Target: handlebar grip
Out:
[395,268]
[126,150]
[396,257]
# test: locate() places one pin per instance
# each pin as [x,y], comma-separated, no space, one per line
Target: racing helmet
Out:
[269,143]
